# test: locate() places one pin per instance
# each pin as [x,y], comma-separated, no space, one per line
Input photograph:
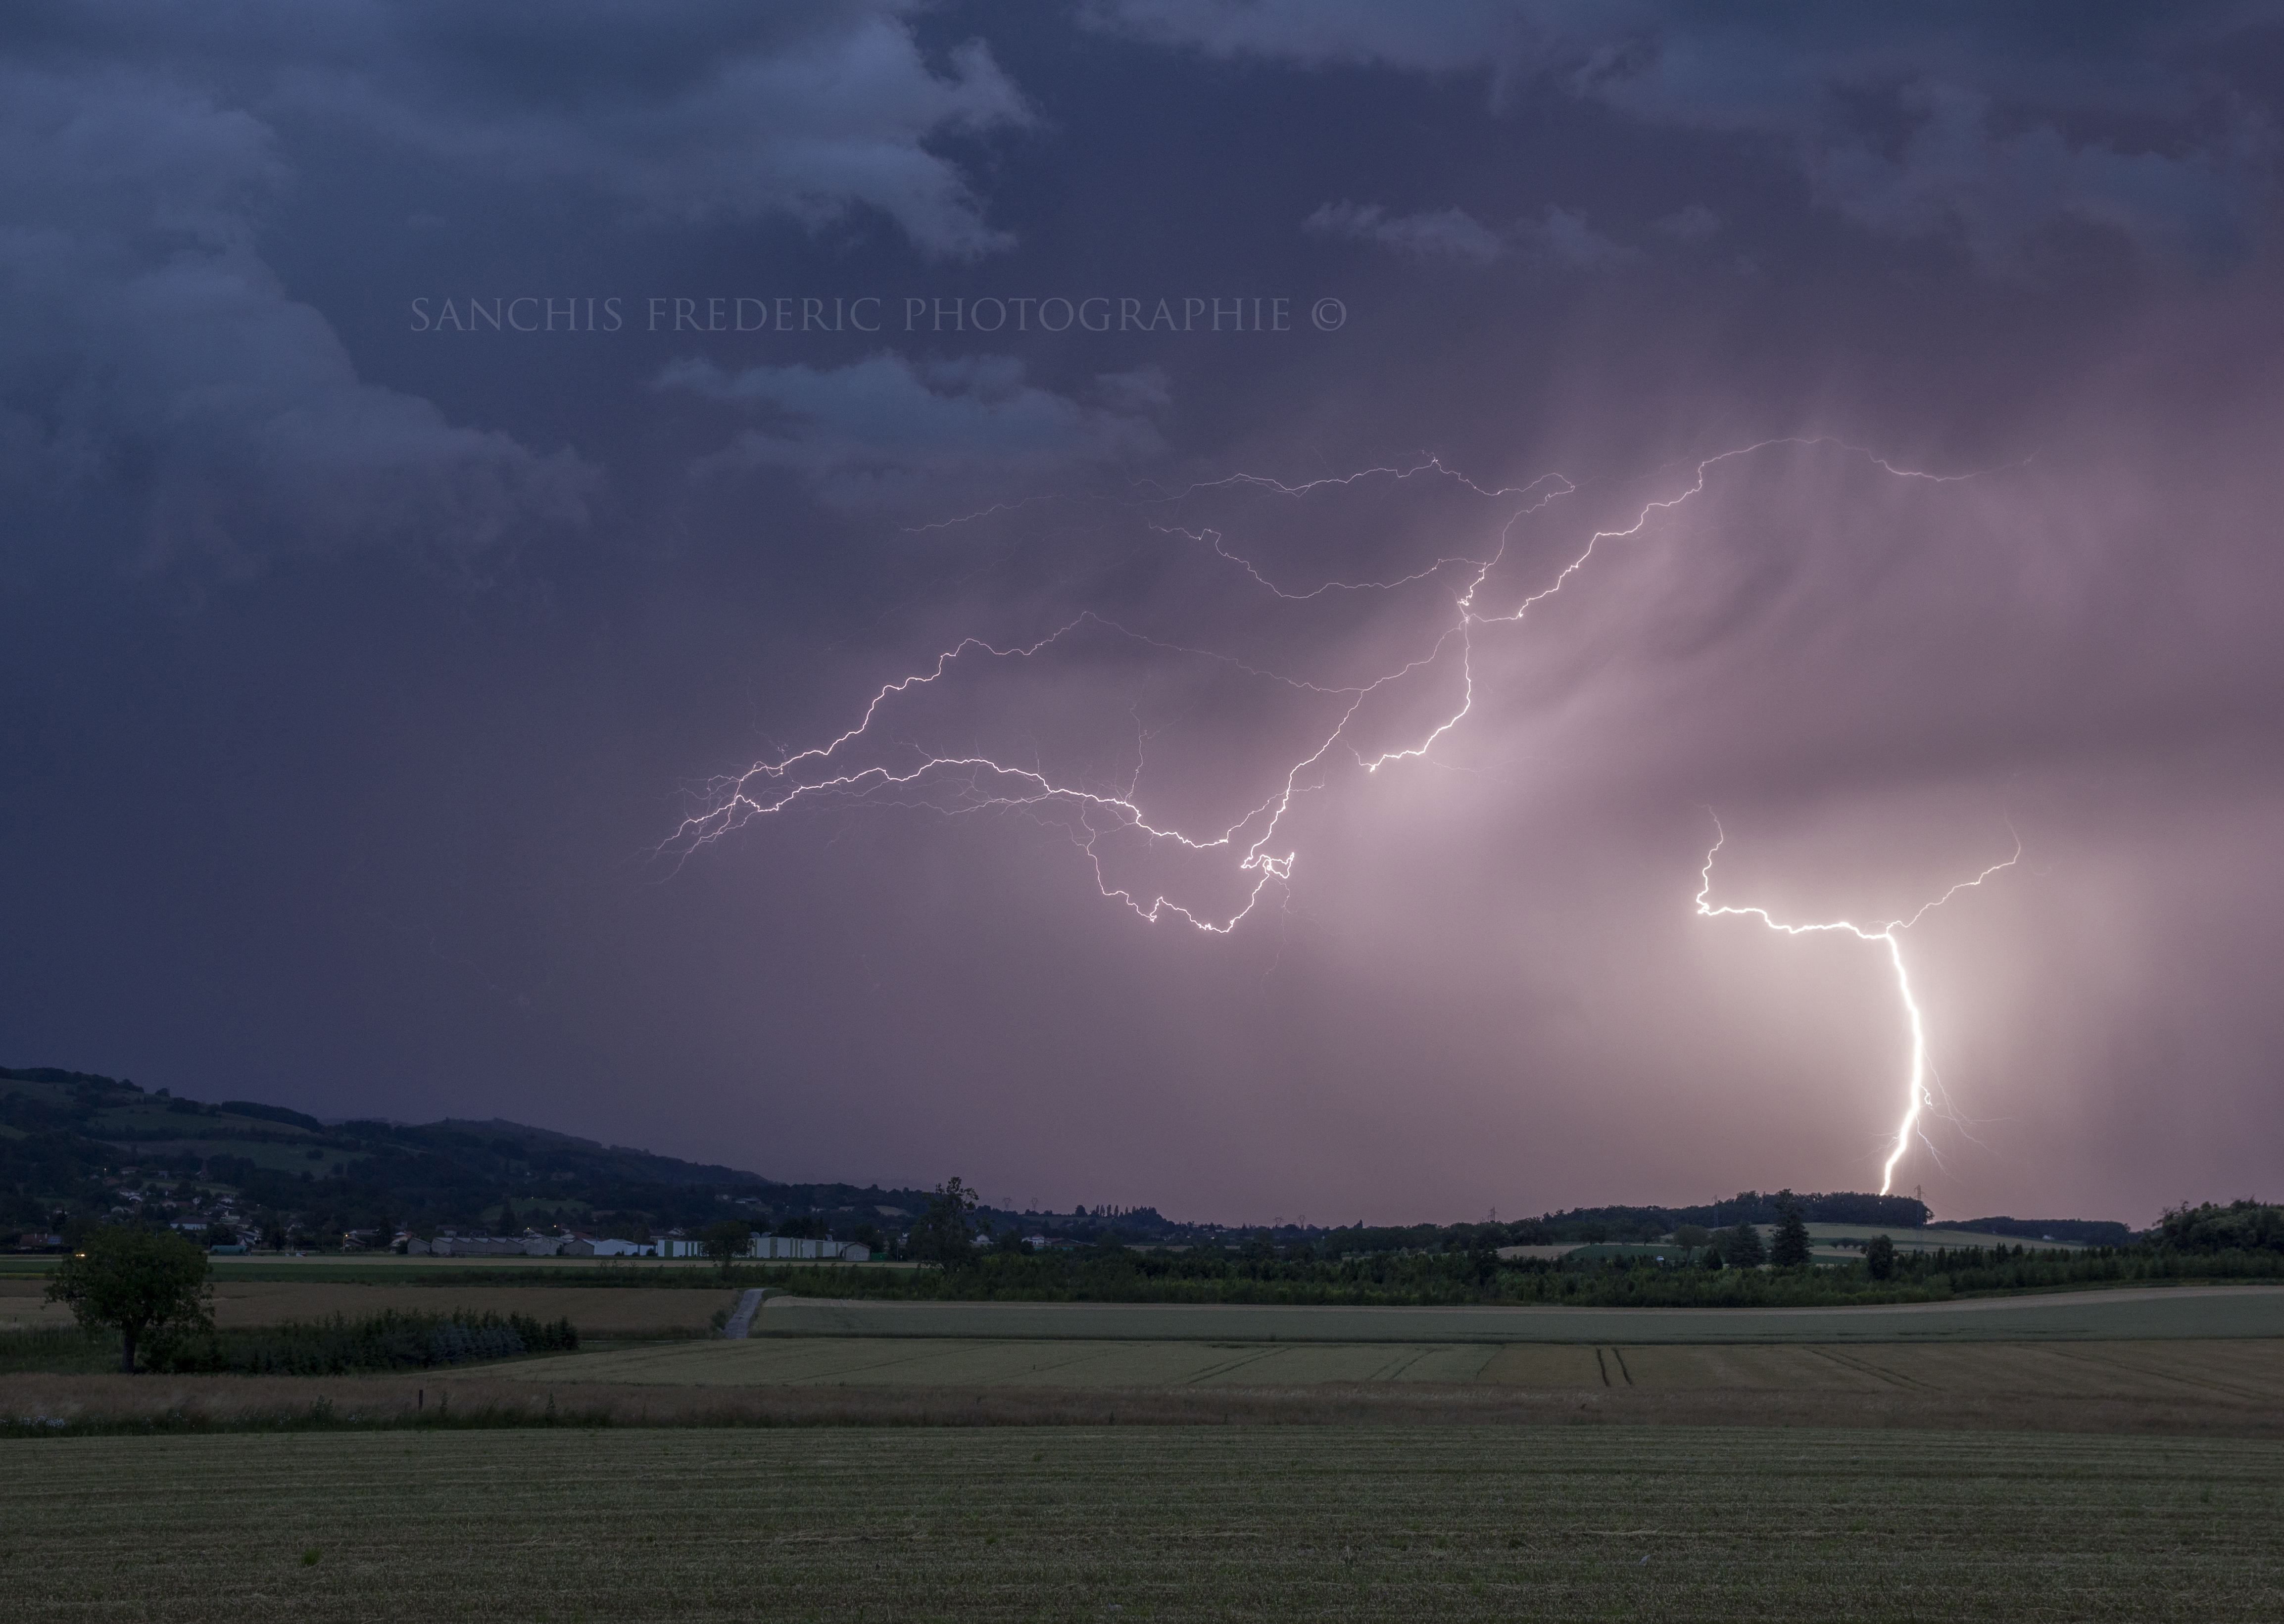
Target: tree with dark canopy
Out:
[944,1234]
[1741,1246]
[727,1241]
[145,1285]
[1788,1248]
[2247,1226]
[1880,1258]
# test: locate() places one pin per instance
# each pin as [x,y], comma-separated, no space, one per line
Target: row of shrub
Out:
[56,1350]
[390,1341]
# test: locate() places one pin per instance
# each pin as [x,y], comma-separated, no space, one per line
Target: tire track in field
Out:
[2113,1362]
[1254,1355]
[1885,1377]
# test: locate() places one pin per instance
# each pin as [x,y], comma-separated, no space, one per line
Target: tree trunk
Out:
[127,1349]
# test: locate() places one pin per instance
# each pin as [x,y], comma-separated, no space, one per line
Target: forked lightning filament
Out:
[1917,1097]
[1253,843]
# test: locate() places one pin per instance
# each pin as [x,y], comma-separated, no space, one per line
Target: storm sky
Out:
[439,444]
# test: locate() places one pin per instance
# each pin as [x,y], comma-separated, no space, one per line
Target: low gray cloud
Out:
[1445,233]
[1558,237]
[885,428]
[1564,236]
[1691,223]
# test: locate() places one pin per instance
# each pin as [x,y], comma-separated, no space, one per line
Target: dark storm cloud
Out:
[731,112]
[687,110]
[166,397]
[387,846]
[1994,124]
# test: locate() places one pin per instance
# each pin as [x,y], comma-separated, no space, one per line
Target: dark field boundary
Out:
[45,1406]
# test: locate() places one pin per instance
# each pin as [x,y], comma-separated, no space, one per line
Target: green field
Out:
[1930,1239]
[1168,1523]
[2172,1311]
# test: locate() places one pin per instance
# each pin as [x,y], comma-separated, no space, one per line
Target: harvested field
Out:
[22,1306]
[2133,1313]
[912,1362]
[1171,1523]
[34,1403]
[606,1312]
[2249,1371]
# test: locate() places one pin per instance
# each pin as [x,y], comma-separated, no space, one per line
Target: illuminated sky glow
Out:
[724,737]
[1919,1078]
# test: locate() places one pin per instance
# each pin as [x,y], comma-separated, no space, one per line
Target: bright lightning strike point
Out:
[1917,1098]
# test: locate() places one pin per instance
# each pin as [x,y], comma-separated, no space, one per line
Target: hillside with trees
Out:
[78,1149]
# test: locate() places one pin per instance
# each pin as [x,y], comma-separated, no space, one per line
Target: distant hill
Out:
[72,1142]
[1628,1223]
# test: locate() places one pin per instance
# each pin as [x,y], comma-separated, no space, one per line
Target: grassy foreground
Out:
[1227,1522]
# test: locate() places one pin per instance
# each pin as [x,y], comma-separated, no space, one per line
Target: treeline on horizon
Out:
[362,1176]
[2242,1241]
[1588,1224]
[68,1137]
[1634,1225]
[1598,1225]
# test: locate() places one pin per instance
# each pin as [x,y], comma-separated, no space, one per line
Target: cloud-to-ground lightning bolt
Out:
[970,783]
[1890,935]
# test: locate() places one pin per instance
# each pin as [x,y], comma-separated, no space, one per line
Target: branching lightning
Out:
[1254,845]
[970,783]
[1918,1095]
